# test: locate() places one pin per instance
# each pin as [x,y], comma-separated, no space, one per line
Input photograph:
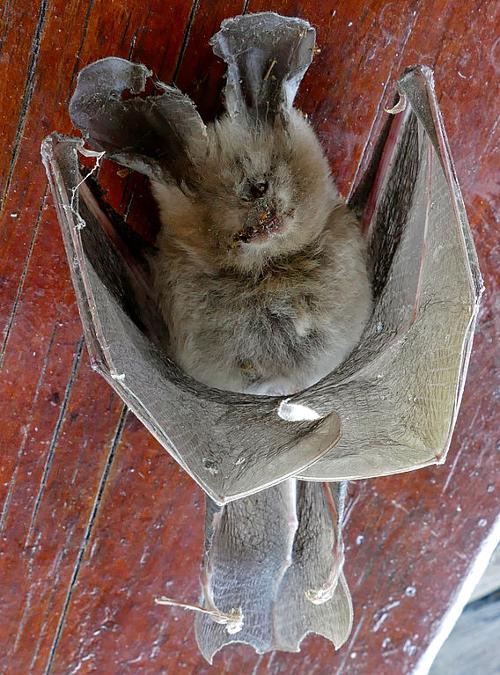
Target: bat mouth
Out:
[267,225]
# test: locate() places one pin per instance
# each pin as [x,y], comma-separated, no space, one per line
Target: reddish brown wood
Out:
[97,519]
[60,424]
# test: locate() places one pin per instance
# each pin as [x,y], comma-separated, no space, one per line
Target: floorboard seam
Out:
[85,29]
[20,286]
[86,538]
[55,436]
[187,33]
[8,499]
[26,100]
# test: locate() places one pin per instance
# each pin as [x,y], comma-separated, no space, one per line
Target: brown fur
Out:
[275,313]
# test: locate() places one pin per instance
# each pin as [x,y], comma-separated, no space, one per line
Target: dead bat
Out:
[261,277]
[389,407]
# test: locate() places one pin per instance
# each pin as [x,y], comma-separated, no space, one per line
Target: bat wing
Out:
[397,395]
[267,56]
[277,557]
[231,444]
[399,392]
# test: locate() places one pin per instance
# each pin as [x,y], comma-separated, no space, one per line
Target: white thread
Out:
[232,620]
[79,222]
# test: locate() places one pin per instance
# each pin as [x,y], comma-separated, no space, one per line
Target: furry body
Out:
[260,272]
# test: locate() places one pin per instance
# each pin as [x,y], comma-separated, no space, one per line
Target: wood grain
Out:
[97,520]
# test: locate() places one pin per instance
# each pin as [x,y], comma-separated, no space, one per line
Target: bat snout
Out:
[262,224]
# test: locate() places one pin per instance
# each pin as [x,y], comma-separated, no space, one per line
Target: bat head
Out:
[248,187]
[260,192]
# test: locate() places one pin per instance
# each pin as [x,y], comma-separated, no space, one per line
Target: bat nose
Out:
[259,189]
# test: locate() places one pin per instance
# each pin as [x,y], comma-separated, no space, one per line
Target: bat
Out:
[262,280]
[389,407]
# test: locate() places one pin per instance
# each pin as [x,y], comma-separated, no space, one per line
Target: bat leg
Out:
[278,557]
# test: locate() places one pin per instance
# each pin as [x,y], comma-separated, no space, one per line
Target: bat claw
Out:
[399,106]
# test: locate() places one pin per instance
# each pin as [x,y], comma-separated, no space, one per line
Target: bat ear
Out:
[267,56]
[160,135]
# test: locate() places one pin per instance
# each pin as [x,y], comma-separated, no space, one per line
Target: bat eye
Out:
[259,189]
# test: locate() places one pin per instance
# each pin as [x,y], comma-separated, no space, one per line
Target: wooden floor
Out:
[97,519]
